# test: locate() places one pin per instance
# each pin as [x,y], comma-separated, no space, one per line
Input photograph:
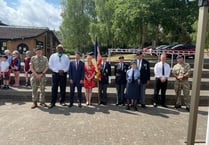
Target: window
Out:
[22,48]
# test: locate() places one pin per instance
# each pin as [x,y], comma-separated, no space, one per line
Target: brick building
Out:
[27,38]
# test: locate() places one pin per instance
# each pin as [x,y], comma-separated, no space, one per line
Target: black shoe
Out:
[127,107]
[51,106]
[177,106]
[117,104]
[188,109]
[165,106]
[143,105]
[63,104]
[43,105]
[135,108]
[154,104]
[71,105]
[79,105]
[101,103]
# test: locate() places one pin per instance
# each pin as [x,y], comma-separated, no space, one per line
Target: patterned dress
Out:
[89,70]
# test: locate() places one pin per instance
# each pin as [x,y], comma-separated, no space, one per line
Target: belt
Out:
[58,73]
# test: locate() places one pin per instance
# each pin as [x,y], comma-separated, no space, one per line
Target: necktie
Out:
[139,64]
[104,66]
[121,66]
[133,76]
[77,63]
[163,70]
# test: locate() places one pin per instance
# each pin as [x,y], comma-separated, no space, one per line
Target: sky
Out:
[36,13]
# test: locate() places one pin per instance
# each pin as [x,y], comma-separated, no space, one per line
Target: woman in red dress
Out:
[89,82]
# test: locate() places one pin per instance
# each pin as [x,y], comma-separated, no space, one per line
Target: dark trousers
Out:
[72,92]
[56,81]
[103,92]
[120,93]
[160,86]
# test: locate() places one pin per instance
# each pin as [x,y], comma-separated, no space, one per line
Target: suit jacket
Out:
[105,73]
[120,74]
[145,71]
[76,74]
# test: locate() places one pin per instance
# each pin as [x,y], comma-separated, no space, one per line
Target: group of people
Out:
[131,79]
[12,64]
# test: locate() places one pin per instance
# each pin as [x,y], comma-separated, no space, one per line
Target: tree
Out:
[76,19]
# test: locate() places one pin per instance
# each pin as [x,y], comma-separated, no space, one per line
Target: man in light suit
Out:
[76,76]
[105,73]
[144,68]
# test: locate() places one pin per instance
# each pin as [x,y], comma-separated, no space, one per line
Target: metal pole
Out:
[207,133]
[200,44]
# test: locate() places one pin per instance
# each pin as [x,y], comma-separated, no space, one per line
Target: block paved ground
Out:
[95,125]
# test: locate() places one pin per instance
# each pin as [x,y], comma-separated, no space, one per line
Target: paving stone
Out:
[95,125]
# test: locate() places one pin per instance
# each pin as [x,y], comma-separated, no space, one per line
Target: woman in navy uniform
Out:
[132,88]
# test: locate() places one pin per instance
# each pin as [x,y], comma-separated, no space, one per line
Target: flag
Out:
[98,60]
[95,48]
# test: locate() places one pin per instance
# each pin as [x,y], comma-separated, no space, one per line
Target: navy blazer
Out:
[120,74]
[105,73]
[145,71]
[76,74]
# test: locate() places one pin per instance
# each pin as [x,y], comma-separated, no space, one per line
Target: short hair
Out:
[59,46]
[7,51]
[78,53]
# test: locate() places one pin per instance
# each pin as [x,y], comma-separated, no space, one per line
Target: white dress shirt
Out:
[57,63]
[139,64]
[158,70]
[4,66]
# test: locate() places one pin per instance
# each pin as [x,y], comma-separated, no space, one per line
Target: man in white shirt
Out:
[59,65]
[162,72]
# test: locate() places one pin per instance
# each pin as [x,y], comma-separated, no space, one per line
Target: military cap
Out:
[133,62]
[38,47]
[121,57]
[90,53]
[104,55]
[139,53]
[179,56]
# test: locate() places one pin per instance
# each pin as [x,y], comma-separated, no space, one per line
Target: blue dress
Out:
[132,87]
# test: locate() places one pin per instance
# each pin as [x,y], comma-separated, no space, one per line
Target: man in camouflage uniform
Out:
[38,66]
[182,72]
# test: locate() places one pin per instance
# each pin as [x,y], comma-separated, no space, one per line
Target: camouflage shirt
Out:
[39,63]
[181,69]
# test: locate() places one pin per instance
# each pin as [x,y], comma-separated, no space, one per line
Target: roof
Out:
[16,32]
[2,24]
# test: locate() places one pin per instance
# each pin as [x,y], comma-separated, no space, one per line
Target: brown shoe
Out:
[34,105]
[43,105]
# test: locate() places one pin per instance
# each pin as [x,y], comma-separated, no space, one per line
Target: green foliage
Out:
[126,23]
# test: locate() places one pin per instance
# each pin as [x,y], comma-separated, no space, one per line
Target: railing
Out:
[170,53]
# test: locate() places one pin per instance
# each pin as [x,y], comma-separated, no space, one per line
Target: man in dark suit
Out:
[105,73]
[144,68]
[120,79]
[76,76]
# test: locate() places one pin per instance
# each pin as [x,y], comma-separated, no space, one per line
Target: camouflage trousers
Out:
[185,85]
[35,84]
